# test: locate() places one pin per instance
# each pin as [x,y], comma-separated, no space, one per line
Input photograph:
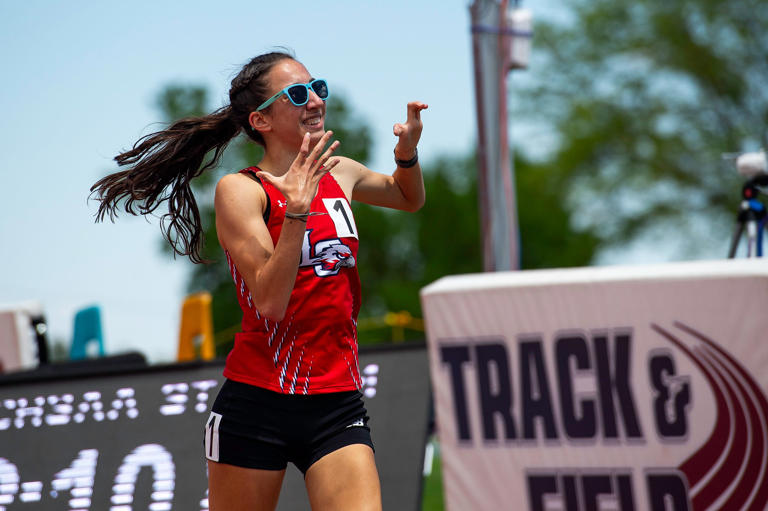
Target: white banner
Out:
[607,388]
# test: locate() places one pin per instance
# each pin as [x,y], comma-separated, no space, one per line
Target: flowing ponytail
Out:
[163,164]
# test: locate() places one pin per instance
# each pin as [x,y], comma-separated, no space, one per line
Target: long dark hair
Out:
[163,164]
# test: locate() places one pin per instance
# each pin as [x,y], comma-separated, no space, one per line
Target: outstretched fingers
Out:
[303,150]
[329,165]
[320,162]
[315,155]
[414,110]
[323,160]
[266,177]
[299,184]
[410,131]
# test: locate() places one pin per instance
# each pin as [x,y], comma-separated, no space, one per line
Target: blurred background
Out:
[618,128]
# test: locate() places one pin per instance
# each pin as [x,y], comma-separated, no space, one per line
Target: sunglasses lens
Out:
[298,94]
[320,88]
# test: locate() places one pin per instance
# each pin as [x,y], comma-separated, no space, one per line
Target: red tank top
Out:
[313,349]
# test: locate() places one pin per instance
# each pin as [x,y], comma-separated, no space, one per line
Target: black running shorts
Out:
[257,428]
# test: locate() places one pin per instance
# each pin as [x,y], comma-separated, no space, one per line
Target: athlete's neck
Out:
[276,165]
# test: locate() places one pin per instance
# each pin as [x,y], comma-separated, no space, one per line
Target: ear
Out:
[259,121]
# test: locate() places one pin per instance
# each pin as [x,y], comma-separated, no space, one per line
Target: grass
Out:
[432,495]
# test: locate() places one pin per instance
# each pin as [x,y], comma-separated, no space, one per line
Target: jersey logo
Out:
[358,423]
[336,256]
[329,256]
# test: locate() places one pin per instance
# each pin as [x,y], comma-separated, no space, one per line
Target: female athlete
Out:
[292,388]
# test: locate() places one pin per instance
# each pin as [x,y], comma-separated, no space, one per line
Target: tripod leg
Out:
[735,240]
[751,238]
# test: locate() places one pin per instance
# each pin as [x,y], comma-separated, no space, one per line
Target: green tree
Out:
[639,100]
[403,252]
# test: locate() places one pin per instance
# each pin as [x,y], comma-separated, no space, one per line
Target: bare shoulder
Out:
[347,167]
[234,182]
[239,203]
[239,186]
[238,196]
[348,173]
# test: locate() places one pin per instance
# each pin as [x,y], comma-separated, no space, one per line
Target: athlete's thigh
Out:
[345,479]
[232,488]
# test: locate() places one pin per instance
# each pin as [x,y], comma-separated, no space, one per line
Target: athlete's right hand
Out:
[299,184]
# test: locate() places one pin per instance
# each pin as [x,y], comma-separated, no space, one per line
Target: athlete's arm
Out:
[404,189]
[269,270]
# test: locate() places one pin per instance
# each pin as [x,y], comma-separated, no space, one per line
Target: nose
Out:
[314,100]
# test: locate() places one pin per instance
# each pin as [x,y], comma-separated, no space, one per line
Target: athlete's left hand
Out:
[409,133]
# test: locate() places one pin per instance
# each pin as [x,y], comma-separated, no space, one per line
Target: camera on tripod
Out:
[752,217]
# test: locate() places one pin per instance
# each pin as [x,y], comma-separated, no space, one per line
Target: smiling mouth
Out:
[314,122]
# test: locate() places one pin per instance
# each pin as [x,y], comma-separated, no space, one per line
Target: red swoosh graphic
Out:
[698,464]
[735,473]
[752,490]
[754,465]
[722,477]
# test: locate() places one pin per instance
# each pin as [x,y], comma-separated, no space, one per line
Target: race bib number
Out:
[341,214]
[212,436]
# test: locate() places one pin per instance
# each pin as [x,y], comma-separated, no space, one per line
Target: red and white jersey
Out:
[314,348]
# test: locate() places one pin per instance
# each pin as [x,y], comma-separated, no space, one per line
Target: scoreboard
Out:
[132,439]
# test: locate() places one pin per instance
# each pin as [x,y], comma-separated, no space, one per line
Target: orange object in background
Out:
[196,330]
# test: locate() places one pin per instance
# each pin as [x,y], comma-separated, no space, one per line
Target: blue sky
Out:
[79,85]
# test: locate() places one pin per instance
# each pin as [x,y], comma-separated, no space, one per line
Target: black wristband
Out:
[406,164]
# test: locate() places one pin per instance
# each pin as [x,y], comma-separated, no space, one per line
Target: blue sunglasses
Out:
[298,93]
